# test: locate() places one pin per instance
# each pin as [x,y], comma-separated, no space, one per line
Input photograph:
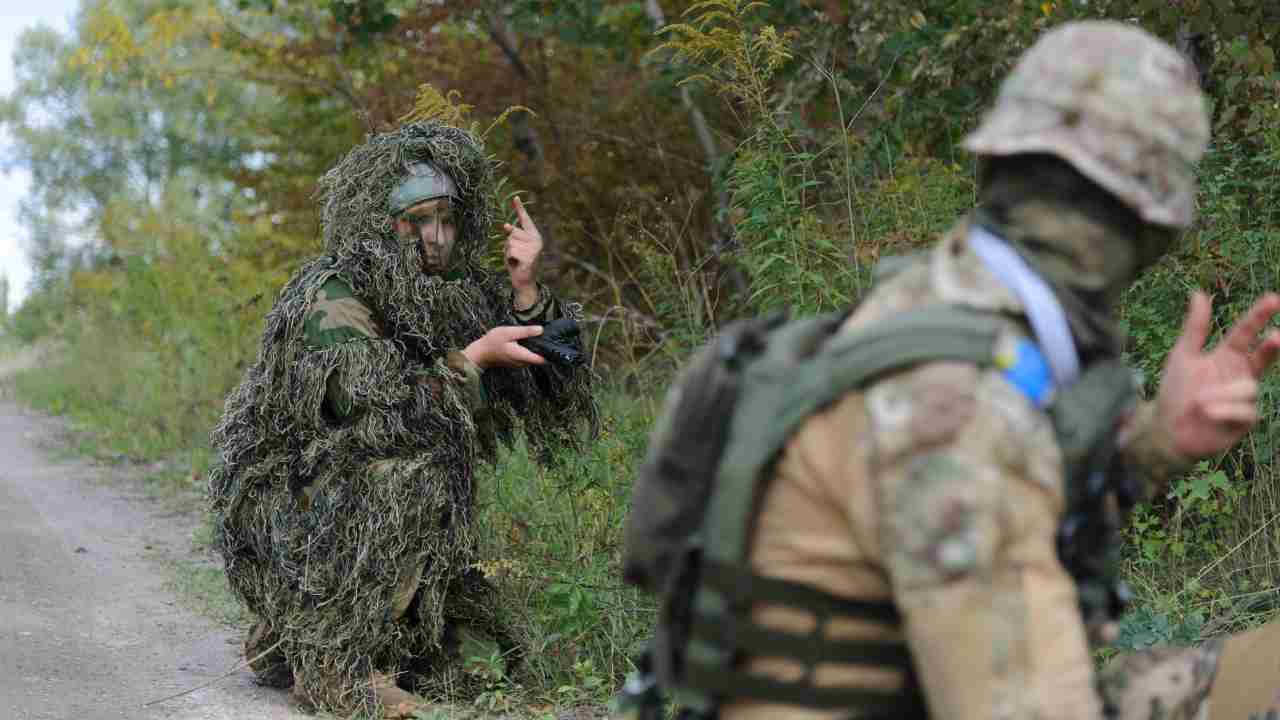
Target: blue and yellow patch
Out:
[1025,368]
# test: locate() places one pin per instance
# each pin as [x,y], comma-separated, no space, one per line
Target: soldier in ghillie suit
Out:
[915,504]
[344,485]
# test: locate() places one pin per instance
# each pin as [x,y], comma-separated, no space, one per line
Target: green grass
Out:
[203,587]
[552,543]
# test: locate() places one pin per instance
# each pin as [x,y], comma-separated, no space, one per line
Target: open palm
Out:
[1209,400]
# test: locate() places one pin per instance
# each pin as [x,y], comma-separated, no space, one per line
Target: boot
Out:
[394,702]
[265,657]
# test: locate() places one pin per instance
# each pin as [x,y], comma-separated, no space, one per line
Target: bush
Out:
[552,543]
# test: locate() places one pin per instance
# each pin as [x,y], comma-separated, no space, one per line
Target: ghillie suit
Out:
[343,492]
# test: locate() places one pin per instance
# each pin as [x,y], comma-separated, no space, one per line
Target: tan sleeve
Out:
[970,498]
[1148,451]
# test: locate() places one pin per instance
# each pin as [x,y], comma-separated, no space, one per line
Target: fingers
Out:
[503,350]
[1242,335]
[1265,356]
[1236,390]
[509,333]
[513,231]
[524,356]
[1234,403]
[526,222]
[521,236]
[1233,413]
[1195,327]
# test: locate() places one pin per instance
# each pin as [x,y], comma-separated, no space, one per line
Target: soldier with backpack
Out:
[911,510]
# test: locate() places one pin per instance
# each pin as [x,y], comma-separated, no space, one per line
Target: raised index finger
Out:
[1245,332]
[526,222]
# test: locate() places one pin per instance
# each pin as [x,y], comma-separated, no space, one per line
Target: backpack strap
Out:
[778,403]
[795,378]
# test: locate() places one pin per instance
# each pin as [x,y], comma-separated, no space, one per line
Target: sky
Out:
[15,17]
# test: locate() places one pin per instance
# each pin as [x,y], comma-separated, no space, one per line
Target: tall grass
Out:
[552,543]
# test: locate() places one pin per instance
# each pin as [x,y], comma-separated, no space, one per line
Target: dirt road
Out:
[88,627]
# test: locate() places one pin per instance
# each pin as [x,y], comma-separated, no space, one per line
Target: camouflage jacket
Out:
[940,488]
[337,316]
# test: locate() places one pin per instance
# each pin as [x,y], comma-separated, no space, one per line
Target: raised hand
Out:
[1209,400]
[523,250]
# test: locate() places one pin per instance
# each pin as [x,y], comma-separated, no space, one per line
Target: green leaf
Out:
[1238,49]
[1200,488]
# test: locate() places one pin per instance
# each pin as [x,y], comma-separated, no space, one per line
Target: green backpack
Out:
[727,418]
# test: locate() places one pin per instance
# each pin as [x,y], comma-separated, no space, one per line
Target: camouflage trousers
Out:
[1232,678]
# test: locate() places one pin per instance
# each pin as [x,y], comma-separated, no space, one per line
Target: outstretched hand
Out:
[522,251]
[500,347]
[1209,400]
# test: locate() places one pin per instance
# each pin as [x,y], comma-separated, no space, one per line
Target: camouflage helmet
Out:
[425,182]
[1121,106]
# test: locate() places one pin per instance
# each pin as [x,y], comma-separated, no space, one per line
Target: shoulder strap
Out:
[788,384]
[772,407]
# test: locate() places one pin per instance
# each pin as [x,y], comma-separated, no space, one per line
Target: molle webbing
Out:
[803,370]
[736,633]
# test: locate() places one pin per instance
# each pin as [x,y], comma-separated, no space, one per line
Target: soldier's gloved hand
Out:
[500,347]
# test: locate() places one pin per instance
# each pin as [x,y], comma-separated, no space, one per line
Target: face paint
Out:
[433,226]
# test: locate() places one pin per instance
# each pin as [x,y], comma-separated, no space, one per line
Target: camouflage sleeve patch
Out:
[922,408]
[336,316]
[931,496]
[935,532]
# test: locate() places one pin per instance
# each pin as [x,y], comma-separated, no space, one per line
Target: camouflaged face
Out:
[1124,108]
[359,230]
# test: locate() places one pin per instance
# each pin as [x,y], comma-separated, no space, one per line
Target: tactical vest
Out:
[710,461]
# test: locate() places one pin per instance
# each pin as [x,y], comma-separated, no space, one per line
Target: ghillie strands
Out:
[321,522]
